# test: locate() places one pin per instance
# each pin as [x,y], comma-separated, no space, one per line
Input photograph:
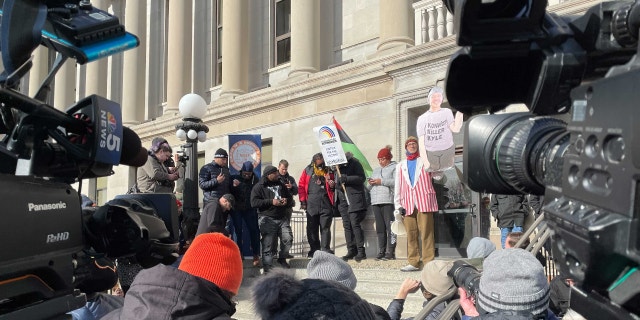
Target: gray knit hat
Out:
[480,248]
[327,266]
[513,279]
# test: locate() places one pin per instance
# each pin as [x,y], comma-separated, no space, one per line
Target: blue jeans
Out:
[505,231]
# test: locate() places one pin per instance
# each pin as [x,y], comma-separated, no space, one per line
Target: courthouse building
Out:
[276,68]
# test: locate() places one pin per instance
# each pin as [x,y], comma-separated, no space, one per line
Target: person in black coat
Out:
[272,199]
[353,211]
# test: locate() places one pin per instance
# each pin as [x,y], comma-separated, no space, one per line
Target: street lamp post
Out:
[192,107]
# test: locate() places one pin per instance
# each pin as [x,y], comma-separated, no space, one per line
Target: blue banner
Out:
[242,148]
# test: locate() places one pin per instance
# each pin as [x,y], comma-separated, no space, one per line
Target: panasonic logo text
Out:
[33,207]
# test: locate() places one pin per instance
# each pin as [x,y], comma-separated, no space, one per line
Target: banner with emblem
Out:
[330,145]
[242,148]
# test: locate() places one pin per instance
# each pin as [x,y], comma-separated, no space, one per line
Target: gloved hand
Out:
[342,179]
[303,205]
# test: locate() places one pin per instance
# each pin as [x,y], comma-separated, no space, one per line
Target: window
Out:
[266,153]
[218,44]
[282,41]
[100,196]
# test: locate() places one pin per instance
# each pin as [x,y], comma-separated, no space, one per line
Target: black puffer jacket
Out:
[207,179]
[164,292]
[353,174]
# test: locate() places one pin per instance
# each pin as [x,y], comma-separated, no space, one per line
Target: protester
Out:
[216,213]
[279,295]
[243,212]
[512,286]
[434,282]
[327,266]
[316,194]
[414,193]
[214,177]
[381,184]
[272,199]
[354,209]
[202,287]
[290,183]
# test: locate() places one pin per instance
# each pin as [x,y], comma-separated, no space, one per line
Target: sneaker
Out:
[284,263]
[389,256]
[409,268]
[359,257]
[380,256]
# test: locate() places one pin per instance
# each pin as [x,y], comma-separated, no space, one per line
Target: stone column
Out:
[134,65]
[39,70]
[97,71]
[235,48]
[179,57]
[396,25]
[305,37]
[64,93]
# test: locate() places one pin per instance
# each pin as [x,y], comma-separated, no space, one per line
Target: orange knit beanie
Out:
[214,257]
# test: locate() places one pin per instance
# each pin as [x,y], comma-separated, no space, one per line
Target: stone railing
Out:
[433,21]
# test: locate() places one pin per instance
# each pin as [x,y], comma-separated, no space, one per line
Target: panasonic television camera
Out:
[579,145]
[47,242]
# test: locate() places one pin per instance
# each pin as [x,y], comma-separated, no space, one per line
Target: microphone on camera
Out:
[133,154]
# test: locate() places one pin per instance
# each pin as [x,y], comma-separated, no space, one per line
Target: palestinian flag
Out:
[349,146]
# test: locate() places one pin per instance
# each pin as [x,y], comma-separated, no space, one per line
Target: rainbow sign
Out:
[327,132]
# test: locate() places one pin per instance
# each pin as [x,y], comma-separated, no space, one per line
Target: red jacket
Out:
[303,185]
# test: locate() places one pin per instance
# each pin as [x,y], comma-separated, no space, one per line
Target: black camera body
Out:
[579,78]
[48,243]
[465,276]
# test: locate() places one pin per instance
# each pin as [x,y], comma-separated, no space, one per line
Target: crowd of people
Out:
[204,282]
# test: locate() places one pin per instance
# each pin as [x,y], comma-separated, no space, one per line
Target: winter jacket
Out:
[353,173]
[242,192]
[97,306]
[383,194]
[262,196]
[319,202]
[207,179]
[397,306]
[509,210]
[153,177]
[164,292]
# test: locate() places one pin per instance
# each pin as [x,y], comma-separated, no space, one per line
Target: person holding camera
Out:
[154,176]
[512,286]
[292,186]
[434,282]
[272,199]
[414,194]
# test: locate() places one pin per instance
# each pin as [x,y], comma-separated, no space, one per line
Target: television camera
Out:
[47,241]
[580,78]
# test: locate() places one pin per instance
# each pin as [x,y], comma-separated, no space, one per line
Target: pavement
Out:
[378,283]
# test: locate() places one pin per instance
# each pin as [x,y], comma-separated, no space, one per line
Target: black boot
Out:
[361,255]
[350,255]
[391,254]
[380,256]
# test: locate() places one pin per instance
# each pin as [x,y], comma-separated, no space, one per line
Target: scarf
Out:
[412,156]
[319,172]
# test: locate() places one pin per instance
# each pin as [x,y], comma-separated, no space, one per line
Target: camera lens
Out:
[518,153]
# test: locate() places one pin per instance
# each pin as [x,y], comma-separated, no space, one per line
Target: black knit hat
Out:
[221,153]
[279,296]
[269,170]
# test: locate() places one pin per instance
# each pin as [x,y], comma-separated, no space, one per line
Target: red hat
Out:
[385,153]
[216,258]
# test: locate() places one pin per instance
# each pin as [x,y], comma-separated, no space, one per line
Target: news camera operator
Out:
[155,176]
[512,286]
